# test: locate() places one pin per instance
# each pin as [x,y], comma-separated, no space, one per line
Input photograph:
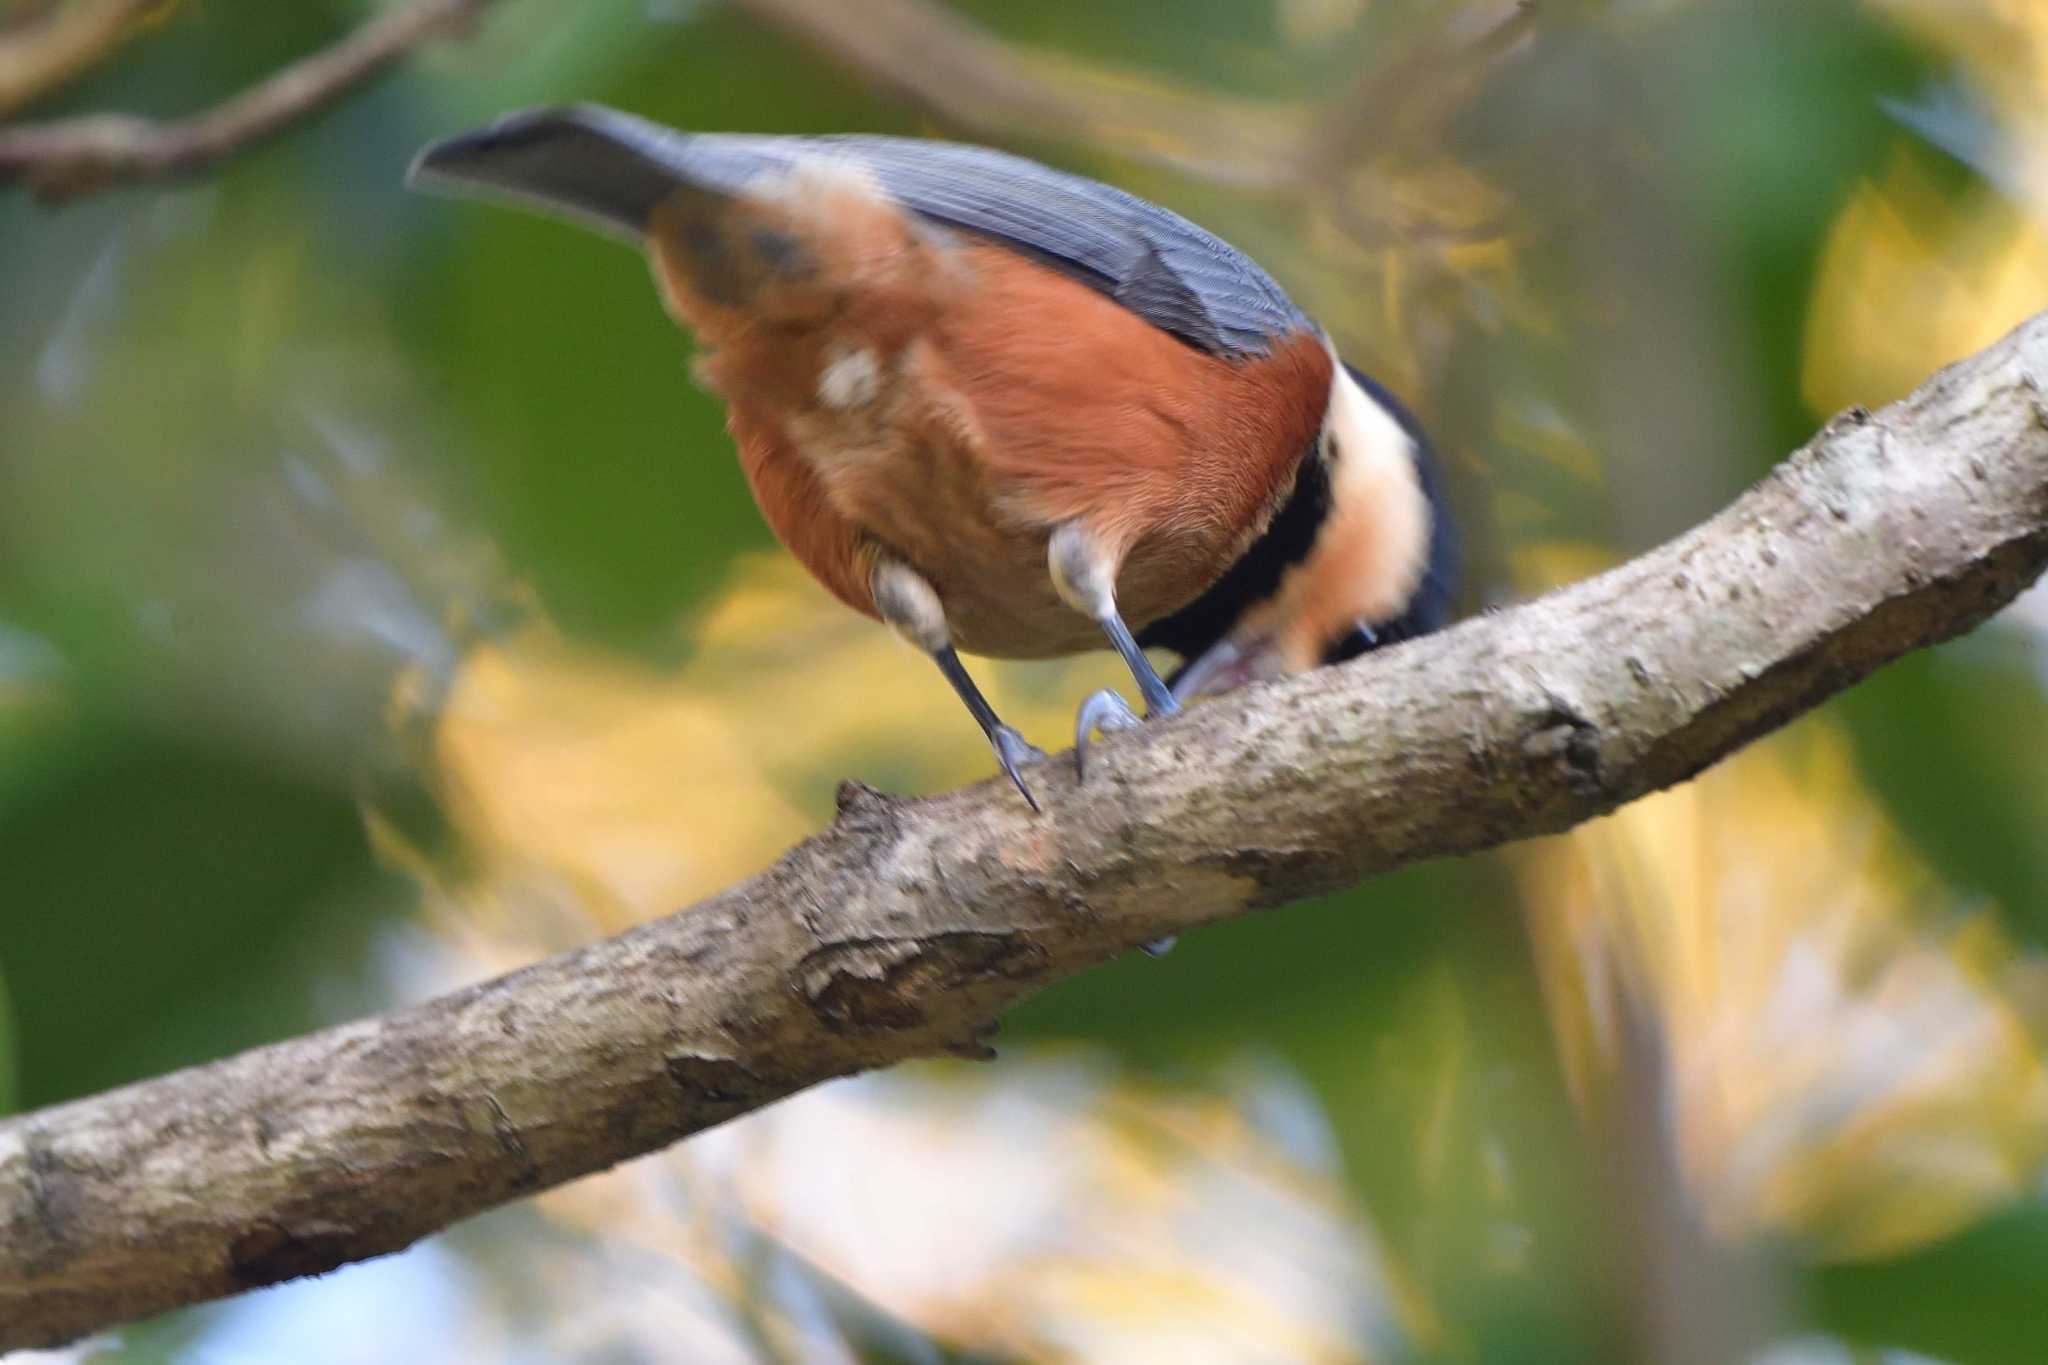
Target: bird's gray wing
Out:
[611,169]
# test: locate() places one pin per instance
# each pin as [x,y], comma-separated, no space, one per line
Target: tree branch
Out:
[909,926]
[40,57]
[931,56]
[928,54]
[84,155]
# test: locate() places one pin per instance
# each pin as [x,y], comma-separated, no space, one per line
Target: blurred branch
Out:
[922,51]
[40,55]
[76,156]
[1403,102]
[908,927]
[928,54]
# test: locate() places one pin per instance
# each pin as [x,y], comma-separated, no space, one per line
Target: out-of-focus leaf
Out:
[1849,1063]
[1974,1298]
[532,51]
[159,840]
[36,714]
[1992,118]
[1951,118]
[1964,273]
[1942,738]
[1220,44]
[1044,1211]
[8,1082]
[1408,1007]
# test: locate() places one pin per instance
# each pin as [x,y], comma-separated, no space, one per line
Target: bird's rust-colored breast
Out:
[896,389]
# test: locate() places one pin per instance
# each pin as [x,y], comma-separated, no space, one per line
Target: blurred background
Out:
[381,607]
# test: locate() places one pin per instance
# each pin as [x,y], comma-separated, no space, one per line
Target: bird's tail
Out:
[602,168]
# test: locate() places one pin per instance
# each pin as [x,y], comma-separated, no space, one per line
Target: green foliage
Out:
[1974,1298]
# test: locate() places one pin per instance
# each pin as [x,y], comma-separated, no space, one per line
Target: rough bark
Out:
[909,926]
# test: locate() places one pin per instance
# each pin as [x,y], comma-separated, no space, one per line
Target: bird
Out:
[1009,410]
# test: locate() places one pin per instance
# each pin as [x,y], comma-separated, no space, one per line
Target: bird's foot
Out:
[1104,710]
[1013,751]
[1159,699]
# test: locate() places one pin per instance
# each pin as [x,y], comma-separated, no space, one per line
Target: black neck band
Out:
[1256,576]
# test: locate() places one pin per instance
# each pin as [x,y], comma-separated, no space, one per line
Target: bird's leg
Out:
[1012,749]
[906,601]
[1084,575]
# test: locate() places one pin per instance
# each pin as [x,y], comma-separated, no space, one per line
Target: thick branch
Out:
[93,152]
[909,926]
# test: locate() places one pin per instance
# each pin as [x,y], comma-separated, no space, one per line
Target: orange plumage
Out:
[985,400]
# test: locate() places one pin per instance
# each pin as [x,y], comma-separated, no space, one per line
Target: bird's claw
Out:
[1013,751]
[1104,710]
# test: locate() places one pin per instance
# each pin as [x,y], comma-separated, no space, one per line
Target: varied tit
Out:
[1009,410]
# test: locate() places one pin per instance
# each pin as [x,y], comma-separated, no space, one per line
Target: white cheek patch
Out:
[1373,448]
[1380,522]
[851,379]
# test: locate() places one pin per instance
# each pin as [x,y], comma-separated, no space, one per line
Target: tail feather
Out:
[604,169]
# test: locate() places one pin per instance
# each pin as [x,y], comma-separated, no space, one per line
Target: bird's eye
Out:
[1331,450]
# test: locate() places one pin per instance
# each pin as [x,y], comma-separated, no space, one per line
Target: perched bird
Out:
[1009,410]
